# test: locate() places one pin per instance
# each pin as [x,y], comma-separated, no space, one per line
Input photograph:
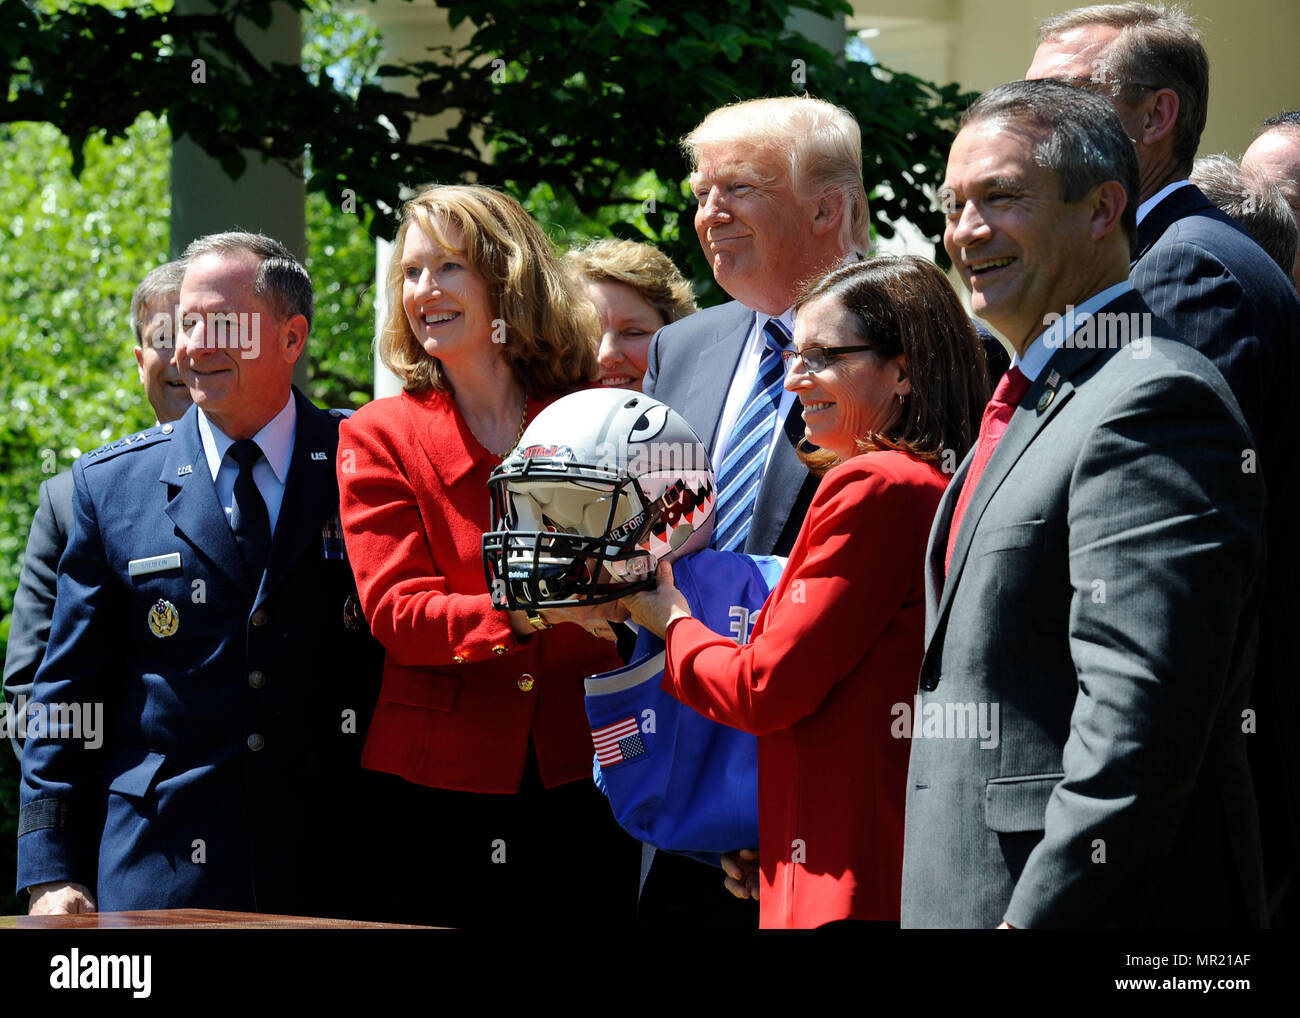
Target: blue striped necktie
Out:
[742,467]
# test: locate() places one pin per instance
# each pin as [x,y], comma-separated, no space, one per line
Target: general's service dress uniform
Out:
[234,706]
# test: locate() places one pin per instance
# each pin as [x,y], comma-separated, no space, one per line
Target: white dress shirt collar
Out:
[1160,196]
[275,440]
[1047,342]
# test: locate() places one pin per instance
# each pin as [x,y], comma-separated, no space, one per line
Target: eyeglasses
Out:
[815,358]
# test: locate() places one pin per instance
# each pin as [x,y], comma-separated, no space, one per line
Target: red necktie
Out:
[997,415]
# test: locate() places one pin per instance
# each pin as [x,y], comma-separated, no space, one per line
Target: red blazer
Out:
[460,695]
[837,645]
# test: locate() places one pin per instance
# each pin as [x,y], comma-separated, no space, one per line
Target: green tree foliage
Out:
[75,249]
[582,98]
[575,106]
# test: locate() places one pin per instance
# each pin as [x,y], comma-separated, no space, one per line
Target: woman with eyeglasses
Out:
[892,381]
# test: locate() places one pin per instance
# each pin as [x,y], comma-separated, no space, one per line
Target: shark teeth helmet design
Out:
[604,484]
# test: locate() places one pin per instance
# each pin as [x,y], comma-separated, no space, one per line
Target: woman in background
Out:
[637,290]
[891,377]
[487,815]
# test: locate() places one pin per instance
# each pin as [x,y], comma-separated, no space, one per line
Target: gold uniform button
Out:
[525,682]
[458,660]
[499,649]
[259,617]
[256,742]
[257,679]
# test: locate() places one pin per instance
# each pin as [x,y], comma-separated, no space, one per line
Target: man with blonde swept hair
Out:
[781,200]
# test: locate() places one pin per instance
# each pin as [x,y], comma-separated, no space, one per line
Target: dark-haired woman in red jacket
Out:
[890,375]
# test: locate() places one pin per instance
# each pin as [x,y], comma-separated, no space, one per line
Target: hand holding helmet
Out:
[604,485]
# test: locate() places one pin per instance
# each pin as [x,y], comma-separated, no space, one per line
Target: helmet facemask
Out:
[559,541]
[604,485]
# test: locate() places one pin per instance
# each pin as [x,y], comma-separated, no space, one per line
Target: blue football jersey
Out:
[675,779]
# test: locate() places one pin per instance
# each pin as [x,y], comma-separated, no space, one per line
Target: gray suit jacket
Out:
[690,368]
[29,627]
[1103,599]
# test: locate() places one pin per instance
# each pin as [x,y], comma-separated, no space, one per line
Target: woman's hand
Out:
[594,618]
[654,609]
[742,872]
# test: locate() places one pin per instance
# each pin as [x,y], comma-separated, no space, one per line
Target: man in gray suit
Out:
[1093,577]
[152,312]
[1219,292]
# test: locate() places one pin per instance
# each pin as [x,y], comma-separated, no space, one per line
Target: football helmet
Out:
[603,485]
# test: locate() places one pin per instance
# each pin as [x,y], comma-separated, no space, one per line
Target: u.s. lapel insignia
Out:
[163,619]
[319,456]
[182,471]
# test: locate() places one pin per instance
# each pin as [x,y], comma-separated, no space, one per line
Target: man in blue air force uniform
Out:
[206,602]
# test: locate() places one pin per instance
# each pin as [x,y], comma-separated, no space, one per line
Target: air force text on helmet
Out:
[222,330]
[1101,331]
[640,458]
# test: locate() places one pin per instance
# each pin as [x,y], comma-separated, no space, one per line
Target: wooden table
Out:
[189,919]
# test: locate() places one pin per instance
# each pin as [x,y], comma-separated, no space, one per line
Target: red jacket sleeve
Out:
[853,567]
[426,611]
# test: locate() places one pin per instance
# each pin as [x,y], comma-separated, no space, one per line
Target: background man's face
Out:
[1276,155]
[239,384]
[752,228]
[1017,246]
[155,359]
[1079,58]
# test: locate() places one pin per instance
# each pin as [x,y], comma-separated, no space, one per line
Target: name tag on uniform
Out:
[331,540]
[157,564]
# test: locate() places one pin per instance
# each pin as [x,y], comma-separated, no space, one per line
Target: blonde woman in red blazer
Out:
[490,816]
[892,378]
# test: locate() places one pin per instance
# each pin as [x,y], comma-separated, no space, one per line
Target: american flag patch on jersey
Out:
[618,742]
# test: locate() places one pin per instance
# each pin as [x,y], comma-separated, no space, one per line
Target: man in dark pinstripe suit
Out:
[1219,292]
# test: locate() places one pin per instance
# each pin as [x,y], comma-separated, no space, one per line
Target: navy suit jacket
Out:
[29,624]
[228,773]
[691,365]
[1220,293]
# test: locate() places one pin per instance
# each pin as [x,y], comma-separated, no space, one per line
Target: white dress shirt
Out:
[1047,342]
[1160,196]
[269,473]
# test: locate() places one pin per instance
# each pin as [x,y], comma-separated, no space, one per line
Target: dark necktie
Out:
[248,516]
[997,415]
[742,467]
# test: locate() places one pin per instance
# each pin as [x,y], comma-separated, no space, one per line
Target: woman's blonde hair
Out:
[548,334]
[645,268]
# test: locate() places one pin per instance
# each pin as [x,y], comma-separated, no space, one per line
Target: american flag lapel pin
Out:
[1045,400]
